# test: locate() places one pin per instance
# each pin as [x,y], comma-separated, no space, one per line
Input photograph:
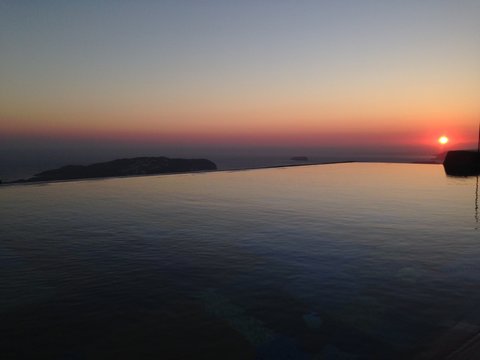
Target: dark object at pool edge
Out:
[462,163]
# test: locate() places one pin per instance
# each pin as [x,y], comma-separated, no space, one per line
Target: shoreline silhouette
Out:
[36,179]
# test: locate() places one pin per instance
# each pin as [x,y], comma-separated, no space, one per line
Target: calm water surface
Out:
[346,261]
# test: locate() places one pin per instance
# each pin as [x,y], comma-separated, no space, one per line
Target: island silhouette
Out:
[124,167]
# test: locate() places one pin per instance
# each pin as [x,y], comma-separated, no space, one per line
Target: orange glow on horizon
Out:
[321,132]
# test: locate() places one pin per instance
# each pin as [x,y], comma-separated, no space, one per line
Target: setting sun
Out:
[443,140]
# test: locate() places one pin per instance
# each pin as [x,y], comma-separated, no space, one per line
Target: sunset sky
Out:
[240,73]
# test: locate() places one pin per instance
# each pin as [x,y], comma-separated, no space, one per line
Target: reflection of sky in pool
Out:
[348,261]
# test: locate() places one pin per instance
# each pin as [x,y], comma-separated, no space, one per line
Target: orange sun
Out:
[443,140]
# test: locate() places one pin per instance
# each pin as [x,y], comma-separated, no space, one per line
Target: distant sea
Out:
[25,166]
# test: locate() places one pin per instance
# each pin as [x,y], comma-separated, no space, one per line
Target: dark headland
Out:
[124,167]
[462,163]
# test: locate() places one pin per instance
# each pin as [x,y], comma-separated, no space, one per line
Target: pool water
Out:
[344,261]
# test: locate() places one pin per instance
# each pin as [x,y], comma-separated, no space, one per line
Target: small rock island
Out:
[299,158]
[125,167]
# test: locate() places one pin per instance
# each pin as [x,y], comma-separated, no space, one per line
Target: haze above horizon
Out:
[227,74]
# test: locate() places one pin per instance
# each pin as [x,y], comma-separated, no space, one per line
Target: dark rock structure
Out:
[126,167]
[462,163]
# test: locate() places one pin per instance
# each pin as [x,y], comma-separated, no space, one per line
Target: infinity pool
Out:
[344,261]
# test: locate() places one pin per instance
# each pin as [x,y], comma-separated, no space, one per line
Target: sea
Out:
[339,261]
[24,165]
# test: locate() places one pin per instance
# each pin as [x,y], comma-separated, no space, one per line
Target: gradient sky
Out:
[268,73]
